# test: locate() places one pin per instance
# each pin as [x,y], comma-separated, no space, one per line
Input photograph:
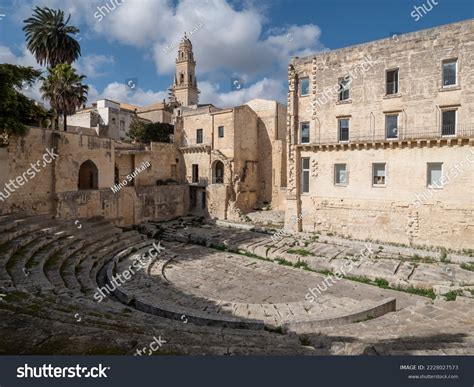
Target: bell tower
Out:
[185,84]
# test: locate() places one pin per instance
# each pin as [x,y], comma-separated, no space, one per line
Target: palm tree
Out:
[48,37]
[64,89]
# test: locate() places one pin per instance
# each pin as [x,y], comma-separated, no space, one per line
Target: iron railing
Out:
[400,134]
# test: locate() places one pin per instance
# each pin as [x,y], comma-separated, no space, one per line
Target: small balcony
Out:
[458,131]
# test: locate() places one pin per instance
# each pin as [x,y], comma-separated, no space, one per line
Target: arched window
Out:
[88,176]
[181,78]
[218,172]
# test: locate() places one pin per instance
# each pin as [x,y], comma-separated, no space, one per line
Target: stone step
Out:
[67,270]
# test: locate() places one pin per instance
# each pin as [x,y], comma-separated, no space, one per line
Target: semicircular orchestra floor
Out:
[193,280]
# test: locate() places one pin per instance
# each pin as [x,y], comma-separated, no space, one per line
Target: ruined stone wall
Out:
[128,206]
[74,150]
[36,193]
[162,158]
[200,158]
[246,157]
[54,189]
[271,151]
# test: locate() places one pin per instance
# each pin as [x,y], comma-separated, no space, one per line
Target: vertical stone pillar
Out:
[293,204]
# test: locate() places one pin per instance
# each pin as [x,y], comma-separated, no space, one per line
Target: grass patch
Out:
[368,318]
[468,266]
[419,259]
[417,291]
[304,340]
[381,283]
[363,280]
[277,329]
[324,272]
[302,252]
[283,262]
[452,295]
[302,265]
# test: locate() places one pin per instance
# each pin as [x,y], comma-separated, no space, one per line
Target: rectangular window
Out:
[448,126]
[305,174]
[344,85]
[340,174]
[391,126]
[392,82]
[378,174]
[304,86]
[449,72]
[344,129]
[122,125]
[221,131]
[434,175]
[195,173]
[304,135]
[199,136]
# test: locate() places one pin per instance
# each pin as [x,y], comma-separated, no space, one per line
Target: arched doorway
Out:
[218,173]
[88,176]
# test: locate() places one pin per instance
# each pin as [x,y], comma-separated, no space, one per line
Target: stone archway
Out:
[88,176]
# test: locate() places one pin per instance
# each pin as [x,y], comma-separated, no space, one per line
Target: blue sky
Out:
[250,40]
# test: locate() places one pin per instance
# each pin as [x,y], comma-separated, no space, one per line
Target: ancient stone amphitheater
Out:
[218,290]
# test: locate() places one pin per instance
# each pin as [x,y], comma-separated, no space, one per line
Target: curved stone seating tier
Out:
[406,268]
[68,321]
[41,317]
[70,267]
[190,286]
[86,267]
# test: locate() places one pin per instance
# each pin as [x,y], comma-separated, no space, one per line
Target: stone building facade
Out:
[381,139]
[78,182]
[234,159]
[222,163]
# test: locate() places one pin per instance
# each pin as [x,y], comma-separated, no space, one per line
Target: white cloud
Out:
[265,88]
[25,58]
[120,92]
[228,41]
[94,66]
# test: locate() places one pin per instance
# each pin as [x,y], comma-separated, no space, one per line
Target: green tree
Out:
[136,130]
[64,89]
[17,110]
[49,38]
[150,132]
